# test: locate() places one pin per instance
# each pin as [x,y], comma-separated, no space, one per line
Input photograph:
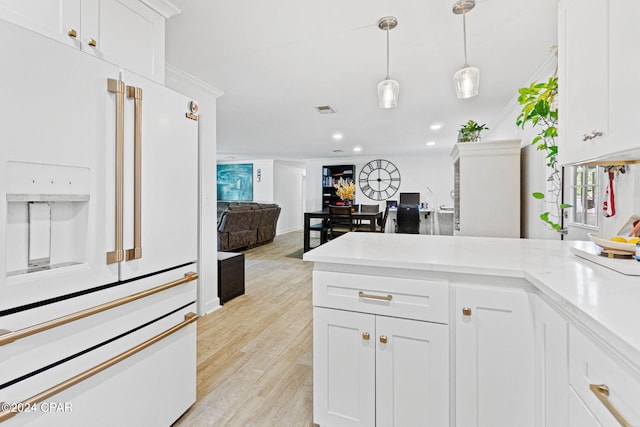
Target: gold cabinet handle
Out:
[117,87]
[92,42]
[602,392]
[40,397]
[383,339]
[466,311]
[366,336]
[136,251]
[384,298]
[72,33]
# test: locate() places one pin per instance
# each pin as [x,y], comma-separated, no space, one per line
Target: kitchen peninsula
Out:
[471,331]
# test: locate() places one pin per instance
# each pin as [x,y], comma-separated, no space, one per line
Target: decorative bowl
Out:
[605,243]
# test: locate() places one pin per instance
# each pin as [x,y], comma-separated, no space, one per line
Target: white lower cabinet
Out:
[579,414]
[378,370]
[494,347]
[388,351]
[580,383]
[552,372]
[344,364]
[602,387]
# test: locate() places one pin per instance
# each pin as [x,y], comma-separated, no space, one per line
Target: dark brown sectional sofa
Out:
[246,224]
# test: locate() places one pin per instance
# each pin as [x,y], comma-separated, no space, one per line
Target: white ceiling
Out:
[276,60]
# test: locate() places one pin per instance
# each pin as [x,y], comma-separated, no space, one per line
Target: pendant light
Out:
[467,79]
[388,89]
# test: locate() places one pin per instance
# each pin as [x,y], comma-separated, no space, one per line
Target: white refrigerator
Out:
[98,240]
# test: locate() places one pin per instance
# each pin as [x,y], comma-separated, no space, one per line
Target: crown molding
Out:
[171,71]
[163,7]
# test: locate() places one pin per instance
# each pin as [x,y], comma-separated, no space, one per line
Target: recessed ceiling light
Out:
[337,136]
[357,149]
[436,126]
[431,143]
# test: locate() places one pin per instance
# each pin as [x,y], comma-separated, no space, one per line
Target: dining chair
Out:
[369,208]
[323,229]
[340,221]
[382,222]
[407,219]
[367,225]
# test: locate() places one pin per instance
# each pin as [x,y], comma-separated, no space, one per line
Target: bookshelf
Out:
[330,175]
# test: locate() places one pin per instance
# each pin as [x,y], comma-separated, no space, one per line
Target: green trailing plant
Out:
[539,110]
[470,131]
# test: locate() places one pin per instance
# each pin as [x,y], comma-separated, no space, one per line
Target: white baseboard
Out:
[288,230]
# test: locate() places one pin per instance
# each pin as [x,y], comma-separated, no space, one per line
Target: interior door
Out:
[167,225]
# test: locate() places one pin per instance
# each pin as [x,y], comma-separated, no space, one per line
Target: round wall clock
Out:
[379,179]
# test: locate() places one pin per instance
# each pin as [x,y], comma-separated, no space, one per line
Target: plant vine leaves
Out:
[539,109]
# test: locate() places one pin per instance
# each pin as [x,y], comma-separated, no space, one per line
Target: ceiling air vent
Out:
[337,151]
[325,109]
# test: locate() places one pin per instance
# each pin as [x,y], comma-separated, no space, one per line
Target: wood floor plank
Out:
[254,361]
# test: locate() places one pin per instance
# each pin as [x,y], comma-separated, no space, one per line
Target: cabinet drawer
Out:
[590,364]
[398,297]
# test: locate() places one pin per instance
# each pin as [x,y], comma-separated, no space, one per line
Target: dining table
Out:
[357,215]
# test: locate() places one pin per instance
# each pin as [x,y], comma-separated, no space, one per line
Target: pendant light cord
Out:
[387,52]
[464,37]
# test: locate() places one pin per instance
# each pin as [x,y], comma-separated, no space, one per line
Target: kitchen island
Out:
[496,332]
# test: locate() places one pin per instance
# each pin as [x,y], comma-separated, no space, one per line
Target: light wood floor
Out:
[254,353]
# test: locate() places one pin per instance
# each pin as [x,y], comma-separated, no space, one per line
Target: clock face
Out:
[379,179]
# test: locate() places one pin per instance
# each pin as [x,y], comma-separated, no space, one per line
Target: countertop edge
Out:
[588,316]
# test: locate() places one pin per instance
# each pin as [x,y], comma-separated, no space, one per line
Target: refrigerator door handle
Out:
[117,87]
[136,251]
[31,402]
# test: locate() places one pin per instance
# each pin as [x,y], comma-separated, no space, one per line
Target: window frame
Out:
[580,180]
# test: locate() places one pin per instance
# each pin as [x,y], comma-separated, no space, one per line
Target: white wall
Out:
[206,96]
[433,170]
[288,190]
[280,182]
[263,189]
[534,171]
[626,197]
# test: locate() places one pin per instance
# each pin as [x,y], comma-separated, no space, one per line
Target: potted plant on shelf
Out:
[470,131]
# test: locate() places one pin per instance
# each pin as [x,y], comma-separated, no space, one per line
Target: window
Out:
[584,196]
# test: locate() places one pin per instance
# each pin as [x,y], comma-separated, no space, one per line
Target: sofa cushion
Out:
[246,224]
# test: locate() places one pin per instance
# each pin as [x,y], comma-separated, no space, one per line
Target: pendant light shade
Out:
[388,89]
[388,93]
[467,79]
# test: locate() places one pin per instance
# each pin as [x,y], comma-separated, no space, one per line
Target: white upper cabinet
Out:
[58,19]
[624,63]
[596,65]
[583,82]
[126,33]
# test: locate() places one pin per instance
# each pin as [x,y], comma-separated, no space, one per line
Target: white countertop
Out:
[603,300]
